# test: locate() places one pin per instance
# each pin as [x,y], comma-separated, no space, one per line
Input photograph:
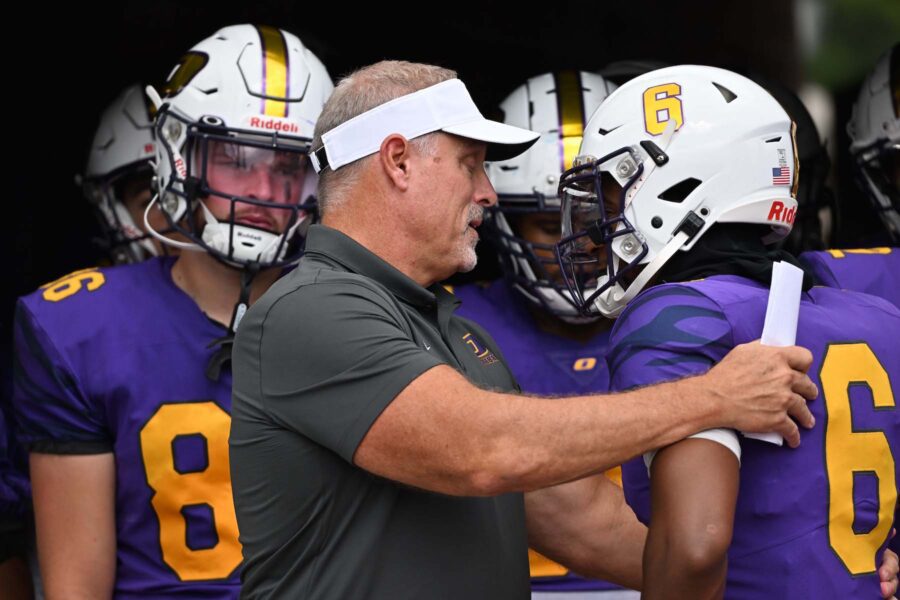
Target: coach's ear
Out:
[394,156]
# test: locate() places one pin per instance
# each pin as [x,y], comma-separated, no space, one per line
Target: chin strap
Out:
[222,355]
[611,302]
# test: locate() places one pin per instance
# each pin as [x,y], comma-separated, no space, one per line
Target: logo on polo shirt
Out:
[483,353]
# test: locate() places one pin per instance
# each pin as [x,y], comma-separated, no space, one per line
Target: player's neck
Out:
[214,286]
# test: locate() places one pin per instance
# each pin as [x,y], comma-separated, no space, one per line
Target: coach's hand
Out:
[887,572]
[760,387]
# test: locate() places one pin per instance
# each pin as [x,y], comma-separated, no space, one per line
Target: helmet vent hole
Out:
[773,140]
[681,190]
[726,93]
[509,167]
[210,91]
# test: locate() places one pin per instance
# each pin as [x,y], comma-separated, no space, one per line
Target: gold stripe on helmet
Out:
[275,71]
[571,114]
[188,67]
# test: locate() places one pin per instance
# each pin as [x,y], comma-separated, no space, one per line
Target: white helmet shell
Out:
[123,144]
[874,130]
[245,84]
[556,105]
[691,146]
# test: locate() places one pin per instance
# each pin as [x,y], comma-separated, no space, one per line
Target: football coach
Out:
[379,447]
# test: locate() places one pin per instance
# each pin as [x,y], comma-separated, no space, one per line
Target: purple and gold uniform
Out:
[811,522]
[543,364]
[114,360]
[871,270]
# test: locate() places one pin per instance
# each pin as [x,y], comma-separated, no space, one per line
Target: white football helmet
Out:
[120,156]
[666,156]
[557,105]
[235,122]
[874,132]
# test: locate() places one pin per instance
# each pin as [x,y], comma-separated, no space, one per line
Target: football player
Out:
[686,175]
[549,347]
[875,134]
[116,180]
[874,130]
[123,387]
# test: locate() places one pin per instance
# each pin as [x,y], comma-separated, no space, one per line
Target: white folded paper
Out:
[780,327]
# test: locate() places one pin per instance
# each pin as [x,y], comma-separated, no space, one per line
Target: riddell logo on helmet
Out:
[274,125]
[779,212]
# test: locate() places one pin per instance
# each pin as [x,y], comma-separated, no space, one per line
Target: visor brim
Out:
[504,141]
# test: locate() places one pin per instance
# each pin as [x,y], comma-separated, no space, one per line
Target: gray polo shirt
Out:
[316,360]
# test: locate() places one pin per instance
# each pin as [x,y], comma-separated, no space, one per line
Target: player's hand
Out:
[887,572]
[759,388]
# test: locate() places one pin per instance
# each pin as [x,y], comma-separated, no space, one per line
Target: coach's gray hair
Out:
[358,92]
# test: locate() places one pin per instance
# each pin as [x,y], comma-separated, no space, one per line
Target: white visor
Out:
[446,106]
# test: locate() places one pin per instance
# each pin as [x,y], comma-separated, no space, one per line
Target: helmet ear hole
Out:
[681,190]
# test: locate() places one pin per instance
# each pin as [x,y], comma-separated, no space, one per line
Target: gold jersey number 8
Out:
[173,490]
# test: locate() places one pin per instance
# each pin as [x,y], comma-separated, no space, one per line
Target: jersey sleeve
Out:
[668,332]
[54,414]
[325,360]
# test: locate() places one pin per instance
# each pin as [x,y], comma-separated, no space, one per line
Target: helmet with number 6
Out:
[875,139]
[235,122]
[116,180]
[666,156]
[557,105]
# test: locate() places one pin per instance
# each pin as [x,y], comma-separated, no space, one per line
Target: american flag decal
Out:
[781,176]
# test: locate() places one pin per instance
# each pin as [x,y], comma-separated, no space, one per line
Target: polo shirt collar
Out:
[341,248]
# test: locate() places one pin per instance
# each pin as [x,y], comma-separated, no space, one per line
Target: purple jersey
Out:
[15,491]
[810,522]
[874,271]
[113,360]
[543,364]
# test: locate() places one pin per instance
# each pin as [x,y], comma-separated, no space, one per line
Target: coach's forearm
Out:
[443,434]
[538,442]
